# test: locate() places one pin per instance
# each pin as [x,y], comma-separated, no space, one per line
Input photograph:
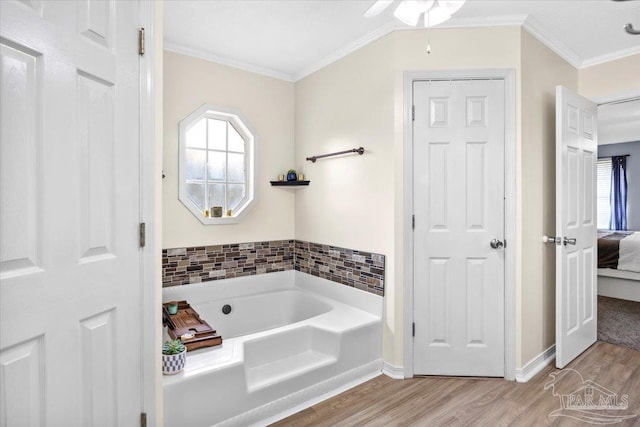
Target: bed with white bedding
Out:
[619,264]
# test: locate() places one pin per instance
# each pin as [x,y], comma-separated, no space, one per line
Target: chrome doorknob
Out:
[496,244]
[569,241]
[550,240]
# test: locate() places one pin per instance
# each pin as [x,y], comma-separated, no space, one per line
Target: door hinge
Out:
[143,419]
[413,113]
[143,234]
[413,329]
[141,41]
[413,222]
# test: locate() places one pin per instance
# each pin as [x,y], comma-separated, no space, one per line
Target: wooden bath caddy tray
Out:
[187,321]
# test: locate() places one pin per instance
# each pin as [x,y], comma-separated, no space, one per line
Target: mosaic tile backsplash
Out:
[181,266]
[359,269]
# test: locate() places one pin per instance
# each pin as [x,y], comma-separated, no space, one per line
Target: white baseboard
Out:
[392,371]
[536,365]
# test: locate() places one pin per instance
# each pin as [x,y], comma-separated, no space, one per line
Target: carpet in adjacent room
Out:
[619,322]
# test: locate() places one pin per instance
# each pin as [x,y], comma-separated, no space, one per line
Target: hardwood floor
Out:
[437,401]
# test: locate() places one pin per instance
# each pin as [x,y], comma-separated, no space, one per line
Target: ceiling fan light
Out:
[377,8]
[409,11]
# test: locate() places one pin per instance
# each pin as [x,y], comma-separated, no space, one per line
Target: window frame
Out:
[242,126]
[605,161]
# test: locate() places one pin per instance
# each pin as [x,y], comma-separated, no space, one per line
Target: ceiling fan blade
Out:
[377,8]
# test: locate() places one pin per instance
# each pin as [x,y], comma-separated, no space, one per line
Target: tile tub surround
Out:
[358,269]
[354,268]
[182,266]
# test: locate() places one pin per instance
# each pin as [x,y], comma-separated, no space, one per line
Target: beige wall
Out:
[611,78]
[268,104]
[357,202]
[350,201]
[542,70]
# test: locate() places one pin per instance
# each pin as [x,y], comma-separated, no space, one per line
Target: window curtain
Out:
[618,197]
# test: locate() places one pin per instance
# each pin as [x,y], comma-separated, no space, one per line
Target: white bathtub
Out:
[290,340]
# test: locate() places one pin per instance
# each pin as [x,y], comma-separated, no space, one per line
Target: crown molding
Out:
[568,54]
[245,66]
[559,47]
[348,49]
[611,56]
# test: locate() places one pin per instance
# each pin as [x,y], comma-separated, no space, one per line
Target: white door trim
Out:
[150,213]
[508,75]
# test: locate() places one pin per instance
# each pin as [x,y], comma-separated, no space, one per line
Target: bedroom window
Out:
[604,192]
[216,165]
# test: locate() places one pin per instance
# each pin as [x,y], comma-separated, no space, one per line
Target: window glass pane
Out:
[195,164]
[236,143]
[217,134]
[196,135]
[216,195]
[215,162]
[196,194]
[236,194]
[236,167]
[216,165]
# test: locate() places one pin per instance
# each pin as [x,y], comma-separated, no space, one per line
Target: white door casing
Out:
[576,290]
[458,169]
[70,336]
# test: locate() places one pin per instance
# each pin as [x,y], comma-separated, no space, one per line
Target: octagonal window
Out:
[216,165]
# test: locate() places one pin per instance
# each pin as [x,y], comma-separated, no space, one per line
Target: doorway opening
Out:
[618,285]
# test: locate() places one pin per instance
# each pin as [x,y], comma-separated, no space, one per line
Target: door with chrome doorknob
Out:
[458,184]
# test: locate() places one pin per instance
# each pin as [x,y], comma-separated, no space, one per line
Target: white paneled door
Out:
[576,160]
[458,151]
[70,333]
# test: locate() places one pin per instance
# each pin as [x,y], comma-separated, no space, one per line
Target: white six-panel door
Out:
[576,286]
[70,330]
[459,209]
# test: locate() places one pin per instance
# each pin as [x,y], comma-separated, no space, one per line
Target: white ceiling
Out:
[290,39]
